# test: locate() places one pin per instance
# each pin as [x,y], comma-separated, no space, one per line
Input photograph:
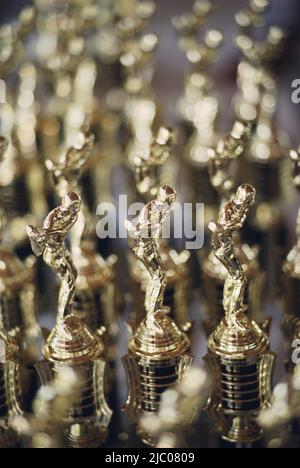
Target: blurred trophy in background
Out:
[22,179]
[45,428]
[19,300]
[10,371]
[141,108]
[265,164]
[280,422]
[199,107]
[158,351]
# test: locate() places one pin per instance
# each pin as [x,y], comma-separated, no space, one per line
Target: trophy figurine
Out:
[291,272]
[199,106]
[95,291]
[266,164]
[141,110]
[22,173]
[238,359]
[148,173]
[222,159]
[71,343]
[158,351]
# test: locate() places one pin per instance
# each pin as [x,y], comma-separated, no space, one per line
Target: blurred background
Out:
[171,64]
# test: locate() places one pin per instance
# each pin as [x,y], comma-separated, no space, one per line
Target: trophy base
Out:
[80,436]
[243,430]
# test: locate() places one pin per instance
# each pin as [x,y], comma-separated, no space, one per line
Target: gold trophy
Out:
[222,159]
[10,371]
[148,174]
[265,164]
[199,106]
[136,59]
[141,109]
[158,351]
[239,360]
[71,343]
[291,273]
[95,295]
[24,199]
[22,174]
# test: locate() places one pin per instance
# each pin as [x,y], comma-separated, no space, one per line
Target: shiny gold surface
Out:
[143,234]
[49,241]
[72,343]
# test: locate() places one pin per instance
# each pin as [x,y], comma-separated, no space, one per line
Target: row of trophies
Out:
[79,84]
